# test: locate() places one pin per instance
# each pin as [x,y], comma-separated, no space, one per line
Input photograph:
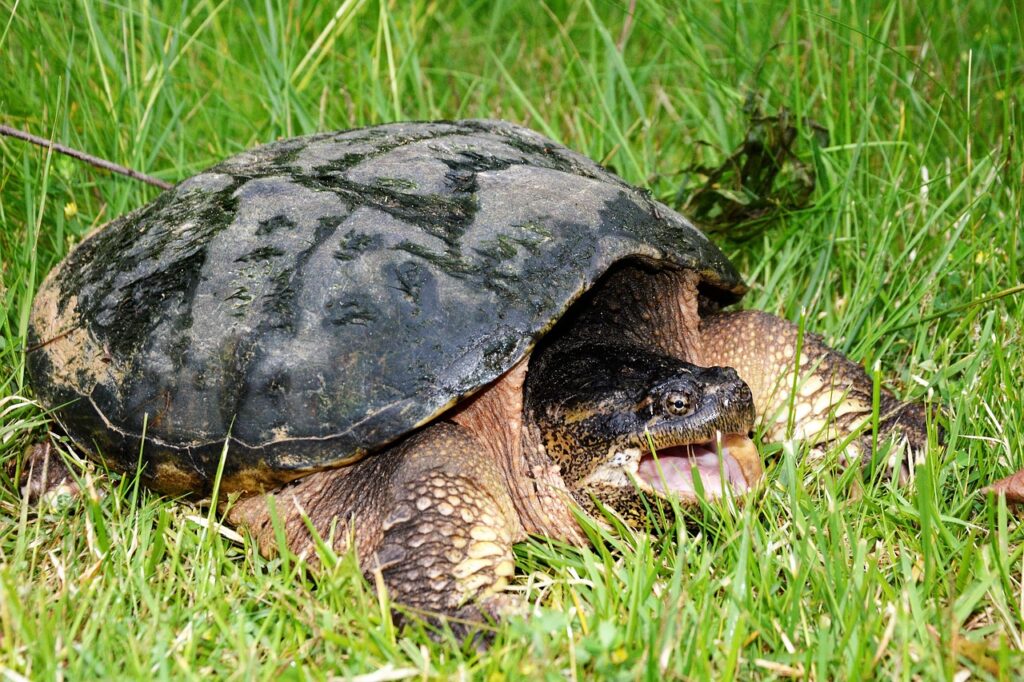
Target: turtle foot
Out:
[475,623]
[905,427]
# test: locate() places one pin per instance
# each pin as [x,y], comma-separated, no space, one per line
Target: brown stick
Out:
[621,44]
[82,156]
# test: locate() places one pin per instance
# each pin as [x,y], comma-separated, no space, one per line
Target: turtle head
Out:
[623,423]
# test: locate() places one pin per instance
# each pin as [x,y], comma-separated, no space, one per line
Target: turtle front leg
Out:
[820,397]
[433,515]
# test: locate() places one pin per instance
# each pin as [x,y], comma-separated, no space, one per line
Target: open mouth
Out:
[732,461]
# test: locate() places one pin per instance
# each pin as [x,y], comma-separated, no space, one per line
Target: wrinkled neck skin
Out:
[576,422]
[497,418]
[655,311]
[619,378]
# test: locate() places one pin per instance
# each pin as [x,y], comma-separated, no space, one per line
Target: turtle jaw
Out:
[711,443]
[728,461]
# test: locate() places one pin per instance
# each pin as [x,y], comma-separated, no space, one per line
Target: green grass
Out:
[917,212]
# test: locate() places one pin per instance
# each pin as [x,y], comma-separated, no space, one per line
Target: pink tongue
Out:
[677,465]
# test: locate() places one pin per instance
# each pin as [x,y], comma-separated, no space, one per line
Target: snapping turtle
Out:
[428,340]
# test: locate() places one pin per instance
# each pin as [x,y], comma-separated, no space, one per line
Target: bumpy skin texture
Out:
[437,515]
[435,518]
[316,298]
[832,397]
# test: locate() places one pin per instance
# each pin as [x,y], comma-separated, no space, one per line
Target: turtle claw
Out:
[473,623]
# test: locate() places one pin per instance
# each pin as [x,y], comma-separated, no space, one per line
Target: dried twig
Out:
[82,156]
[621,44]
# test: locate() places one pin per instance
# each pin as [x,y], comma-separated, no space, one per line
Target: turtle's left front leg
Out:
[819,396]
[432,516]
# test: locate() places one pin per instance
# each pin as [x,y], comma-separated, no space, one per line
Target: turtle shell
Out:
[314,299]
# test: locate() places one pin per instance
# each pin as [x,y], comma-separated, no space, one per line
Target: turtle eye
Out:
[678,404]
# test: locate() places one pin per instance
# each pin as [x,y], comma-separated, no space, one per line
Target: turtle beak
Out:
[727,460]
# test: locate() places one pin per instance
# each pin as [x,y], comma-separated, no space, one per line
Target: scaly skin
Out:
[439,530]
[438,513]
[832,402]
